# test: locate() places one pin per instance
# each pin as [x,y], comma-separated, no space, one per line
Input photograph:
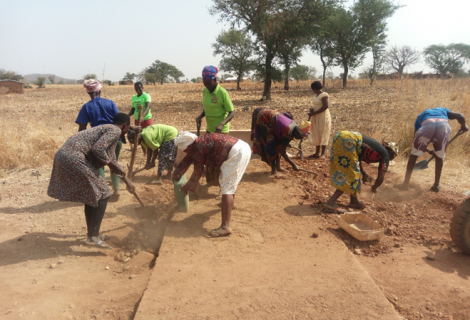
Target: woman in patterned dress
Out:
[321,120]
[348,150]
[271,133]
[214,149]
[75,174]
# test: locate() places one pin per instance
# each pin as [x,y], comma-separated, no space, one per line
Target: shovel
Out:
[300,144]
[424,163]
[143,212]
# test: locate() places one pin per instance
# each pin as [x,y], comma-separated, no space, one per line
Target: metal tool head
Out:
[421,165]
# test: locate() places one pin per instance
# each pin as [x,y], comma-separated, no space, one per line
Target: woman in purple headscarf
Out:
[218,110]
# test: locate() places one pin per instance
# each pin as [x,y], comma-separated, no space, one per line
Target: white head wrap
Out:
[185,139]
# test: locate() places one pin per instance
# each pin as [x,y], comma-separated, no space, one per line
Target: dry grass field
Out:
[47,273]
[36,123]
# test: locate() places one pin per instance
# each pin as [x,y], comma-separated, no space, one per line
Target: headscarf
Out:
[185,139]
[92,85]
[209,72]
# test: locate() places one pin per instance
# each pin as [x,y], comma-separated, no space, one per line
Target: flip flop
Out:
[97,242]
[361,206]
[217,233]
[335,210]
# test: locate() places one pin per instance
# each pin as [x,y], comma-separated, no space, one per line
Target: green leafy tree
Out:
[236,49]
[378,51]
[398,58]
[273,23]
[10,75]
[289,55]
[301,72]
[352,32]
[164,72]
[40,82]
[51,78]
[129,76]
[150,78]
[89,76]
[446,59]
[323,47]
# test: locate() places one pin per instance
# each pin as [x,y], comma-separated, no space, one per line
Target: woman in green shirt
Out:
[160,139]
[141,99]
[218,108]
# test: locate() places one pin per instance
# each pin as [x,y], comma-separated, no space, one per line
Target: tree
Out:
[352,32]
[289,54]
[330,75]
[301,72]
[108,82]
[129,76]
[164,71]
[10,75]
[40,82]
[89,76]
[323,48]
[273,23]
[51,78]
[378,50]
[236,49]
[398,58]
[446,59]
[150,78]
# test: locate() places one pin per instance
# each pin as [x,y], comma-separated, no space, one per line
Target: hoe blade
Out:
[421,165]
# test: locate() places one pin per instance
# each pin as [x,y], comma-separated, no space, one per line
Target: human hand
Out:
[366,178]
[198,121]
[219,128]
[149,166]
[464,129]
[294,167]
[430,151]
[130,187]
[116,168]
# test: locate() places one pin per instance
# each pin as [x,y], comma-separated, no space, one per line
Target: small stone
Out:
[396,245]
[358,252]
[52,266]
[127,260]
[314,235]
[132,276]
[60,262]
[431,256]
[106,268]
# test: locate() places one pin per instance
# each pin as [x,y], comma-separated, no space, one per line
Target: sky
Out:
[72,38]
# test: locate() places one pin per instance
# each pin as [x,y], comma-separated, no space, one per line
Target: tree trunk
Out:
[268,77]
[286,78]
[400,71]
[345,75]
[238,83]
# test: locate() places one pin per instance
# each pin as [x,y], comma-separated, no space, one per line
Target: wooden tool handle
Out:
[128,183]
[309,171]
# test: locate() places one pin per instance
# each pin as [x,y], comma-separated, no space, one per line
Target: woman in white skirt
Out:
[214,149]
[321,120]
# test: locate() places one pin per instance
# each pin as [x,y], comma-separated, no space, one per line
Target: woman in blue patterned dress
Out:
[348,150]
[75,174]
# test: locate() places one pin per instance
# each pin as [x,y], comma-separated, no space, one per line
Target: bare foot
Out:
[335,208]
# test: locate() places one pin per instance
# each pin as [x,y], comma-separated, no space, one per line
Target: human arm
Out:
[379,180]
[146,109]
[81,127]
[283,150]
[151,157]
[460,118]
[227,119]
[199,118]
[131,113]
[324,101]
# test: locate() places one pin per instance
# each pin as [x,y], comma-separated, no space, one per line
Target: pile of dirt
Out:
[412,218]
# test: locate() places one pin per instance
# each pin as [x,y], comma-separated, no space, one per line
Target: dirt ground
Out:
[47,272]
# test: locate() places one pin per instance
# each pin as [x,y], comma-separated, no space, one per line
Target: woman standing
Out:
[272,132]
[214,149]
[160,139]
[75,174]
[143,99]
[218,108]
[348,150]
[321,120]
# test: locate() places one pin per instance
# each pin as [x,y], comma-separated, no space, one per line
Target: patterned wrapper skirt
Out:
[264,143]
[345,172]
[167,156]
